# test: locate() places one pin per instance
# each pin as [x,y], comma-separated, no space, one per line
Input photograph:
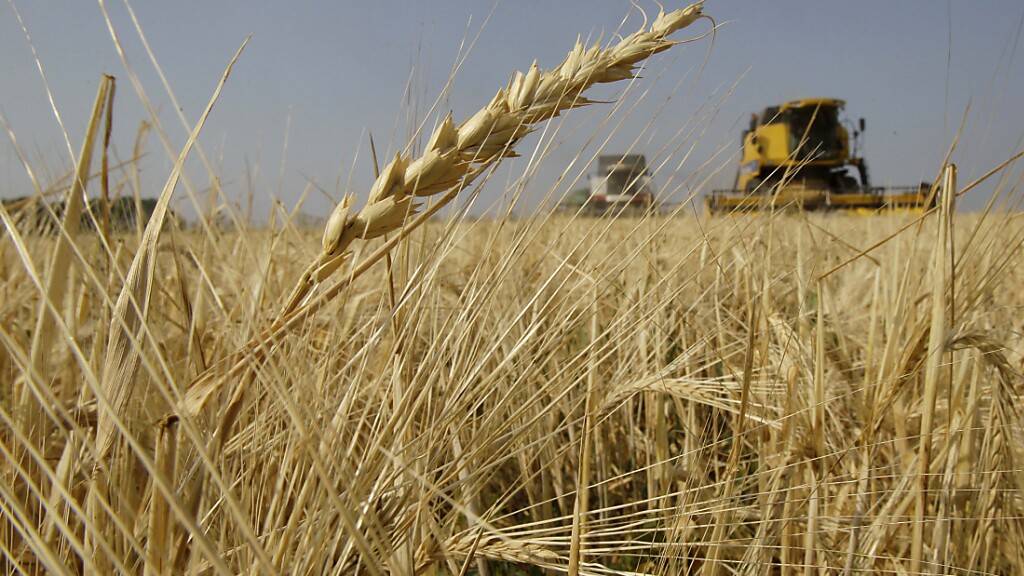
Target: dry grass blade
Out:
[60,259]
[124,343]
[940,293]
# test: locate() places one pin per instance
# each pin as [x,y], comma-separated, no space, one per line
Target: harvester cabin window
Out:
[628,182]
[823,142]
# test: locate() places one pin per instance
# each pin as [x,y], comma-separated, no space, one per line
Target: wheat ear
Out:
[455,155]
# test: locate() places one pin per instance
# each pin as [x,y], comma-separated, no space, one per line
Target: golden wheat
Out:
[776,393]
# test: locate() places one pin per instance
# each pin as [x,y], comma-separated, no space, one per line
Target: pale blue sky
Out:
[339,68]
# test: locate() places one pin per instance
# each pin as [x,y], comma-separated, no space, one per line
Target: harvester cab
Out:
[799,155]
[621,185]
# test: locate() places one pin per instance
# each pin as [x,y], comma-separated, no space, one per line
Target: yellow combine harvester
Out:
[798,156]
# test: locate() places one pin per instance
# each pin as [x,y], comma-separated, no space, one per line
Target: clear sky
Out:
[325,72]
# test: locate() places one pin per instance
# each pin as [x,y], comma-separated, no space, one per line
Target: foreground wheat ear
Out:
[455,155]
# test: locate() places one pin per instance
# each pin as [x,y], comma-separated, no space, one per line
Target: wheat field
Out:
[409,390]
[732,409]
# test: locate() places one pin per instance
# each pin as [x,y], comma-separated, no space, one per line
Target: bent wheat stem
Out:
[454,156]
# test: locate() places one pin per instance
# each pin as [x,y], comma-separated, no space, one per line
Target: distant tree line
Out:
[39,216]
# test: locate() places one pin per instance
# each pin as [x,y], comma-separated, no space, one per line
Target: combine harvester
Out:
[621,185]
[797,156]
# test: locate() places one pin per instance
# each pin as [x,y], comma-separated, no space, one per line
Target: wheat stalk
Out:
[455,155]
[493,547]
